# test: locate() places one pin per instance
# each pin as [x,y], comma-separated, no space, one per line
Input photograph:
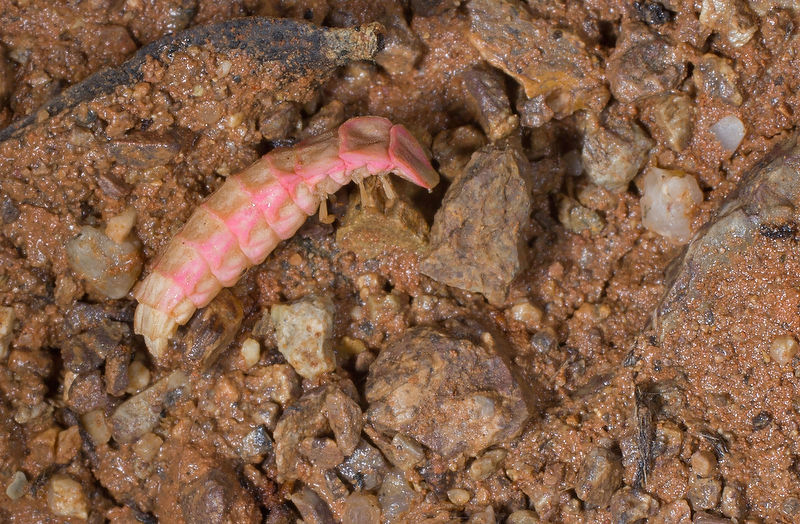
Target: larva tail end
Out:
[156,327]
[409,160]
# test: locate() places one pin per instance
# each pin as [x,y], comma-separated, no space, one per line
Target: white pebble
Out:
[251,352]
[65,497]
[304,330]
[783,349]
[668,202]
[729,132]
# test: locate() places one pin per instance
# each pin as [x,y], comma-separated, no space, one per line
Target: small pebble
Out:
[251,352]
[783,349]
[459,496]
[119,227]
[97,427]
[18,486]
[65,497]
[523,516]
[703,463]
[729,132]
[138,377]
[527,314]
[483,467]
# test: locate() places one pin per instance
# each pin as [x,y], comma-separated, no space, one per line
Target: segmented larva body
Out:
[243,221]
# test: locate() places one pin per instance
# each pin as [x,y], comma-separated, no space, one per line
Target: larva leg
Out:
[240,224]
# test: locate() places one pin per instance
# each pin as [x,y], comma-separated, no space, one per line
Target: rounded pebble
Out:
[783,349]
[459,496]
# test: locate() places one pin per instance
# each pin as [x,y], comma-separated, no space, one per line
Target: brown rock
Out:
[448,391]
[211,330]
[87,392]
[599,477]
[629,506]
[143,150]
[402,48]
[704,493]
[715,77]
[345,419]
[306,418]
[670,119]
[545,59]
[312,508]
[452,149]
[643,64]
[481,247]
[489,104]
[614,151]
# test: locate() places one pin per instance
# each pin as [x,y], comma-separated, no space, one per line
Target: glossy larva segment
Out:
[317,159]
[274,203]
[189,271]
[217,246]
[159,292]
[245,219]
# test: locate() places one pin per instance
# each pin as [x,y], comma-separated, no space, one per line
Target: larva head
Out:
[409,160]
[374,143]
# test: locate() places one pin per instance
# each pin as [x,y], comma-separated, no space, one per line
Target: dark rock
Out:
[365,468]
[116,370]
[207,499]
[211,330]
[401,46]
[643,64]
[432,7]
[454,391]
[481,247]
[144,150]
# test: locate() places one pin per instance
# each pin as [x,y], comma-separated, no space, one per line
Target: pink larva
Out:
[240,224]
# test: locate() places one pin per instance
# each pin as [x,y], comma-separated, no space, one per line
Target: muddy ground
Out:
[518,345]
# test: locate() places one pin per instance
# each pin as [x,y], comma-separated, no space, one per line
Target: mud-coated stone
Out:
[478,238]
[644,64]
[308,418]
[454,390]
[546,60]
[599,477]
[729,295]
